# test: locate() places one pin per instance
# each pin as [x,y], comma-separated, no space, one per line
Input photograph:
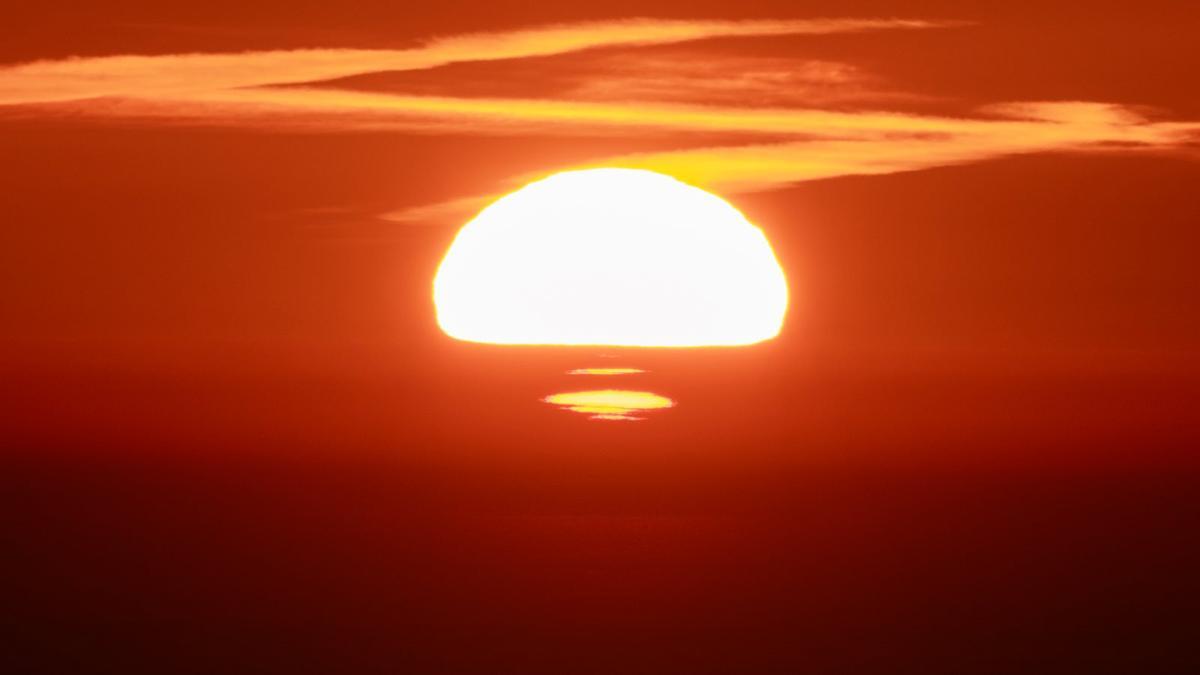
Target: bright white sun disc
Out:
[610,257]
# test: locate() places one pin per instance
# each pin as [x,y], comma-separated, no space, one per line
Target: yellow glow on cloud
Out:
[610,257]
[765,146]
[166,75]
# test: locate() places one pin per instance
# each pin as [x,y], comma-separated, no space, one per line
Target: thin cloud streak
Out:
[173,74]
[1044,127]
[779,144]
[333,109]
[859,144]
[731,80]
[822,144]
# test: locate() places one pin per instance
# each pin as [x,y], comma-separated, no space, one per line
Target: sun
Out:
[618,257]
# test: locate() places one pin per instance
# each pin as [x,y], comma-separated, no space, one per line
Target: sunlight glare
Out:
[610,257]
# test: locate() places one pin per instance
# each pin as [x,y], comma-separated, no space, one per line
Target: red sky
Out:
[237,440]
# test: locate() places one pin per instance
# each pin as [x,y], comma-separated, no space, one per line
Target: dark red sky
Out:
[235,440]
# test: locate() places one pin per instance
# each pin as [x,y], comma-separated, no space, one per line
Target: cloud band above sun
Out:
[762,146]
[169,75]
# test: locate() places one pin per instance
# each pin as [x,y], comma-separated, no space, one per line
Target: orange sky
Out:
[217,217]
[222,220]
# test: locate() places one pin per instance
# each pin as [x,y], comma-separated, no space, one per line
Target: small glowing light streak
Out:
[605,371]
[610,404]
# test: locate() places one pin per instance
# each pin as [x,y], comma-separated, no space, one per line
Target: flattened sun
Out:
[610,257]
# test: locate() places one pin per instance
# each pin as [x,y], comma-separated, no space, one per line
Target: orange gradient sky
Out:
[312,139]
[236,429]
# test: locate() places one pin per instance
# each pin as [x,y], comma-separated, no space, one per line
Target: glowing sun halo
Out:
[610,257]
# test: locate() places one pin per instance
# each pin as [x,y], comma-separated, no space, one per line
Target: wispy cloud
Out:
[725,79]
[766,111]
[1029,125]
[907,144]
[174,74]
[769,147]
[847,144]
